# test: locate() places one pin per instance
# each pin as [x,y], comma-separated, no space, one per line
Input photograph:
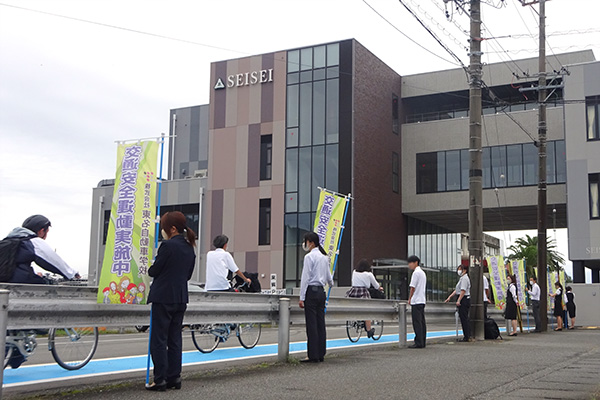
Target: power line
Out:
[408,37]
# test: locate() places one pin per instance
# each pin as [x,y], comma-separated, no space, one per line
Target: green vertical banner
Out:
[518,270]
[498,280]
[328,222]
[552,278]
[130,241]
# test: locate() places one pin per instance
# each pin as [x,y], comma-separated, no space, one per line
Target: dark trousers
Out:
[536,315]
[463,313]
[165,341]
[485,314]
[314,313]
[419,325]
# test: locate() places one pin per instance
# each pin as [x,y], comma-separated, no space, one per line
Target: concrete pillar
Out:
[578,272]
[283,341]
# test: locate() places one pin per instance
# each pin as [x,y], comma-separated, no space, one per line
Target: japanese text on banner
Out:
[328,222]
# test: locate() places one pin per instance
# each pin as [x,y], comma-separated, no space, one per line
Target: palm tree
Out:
[526,248]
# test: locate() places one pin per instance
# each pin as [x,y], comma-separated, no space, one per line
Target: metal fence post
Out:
[3,324]
[402,325]
[283,343]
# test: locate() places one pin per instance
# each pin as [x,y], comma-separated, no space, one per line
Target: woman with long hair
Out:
[171,270]
[558,305]
[362,280]
[315,275]
[512,301]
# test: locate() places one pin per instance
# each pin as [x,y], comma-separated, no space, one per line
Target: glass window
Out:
[530,164]
[441,171]
[395,173]
[561,161]
[291,170]
[453,170]
[291,202]
[464,169]
[514,158]
[292,105]
[319,113]
[291,137]
[319,57]
[395,115]
[332,123]
[293,61]
[332,167]
[266,157]
[426,172]
[293,78]
[318,173]
[592,121]
[304,179]
[264,222]
[550,163]
[594,180]
[333,72]
[305,114]
[306,59]
[333,54]
[305,76]
[319,74]
[486,166]
[291,246]
[498,166]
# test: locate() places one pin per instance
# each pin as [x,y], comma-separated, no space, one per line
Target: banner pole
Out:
[156,233]
[337,252]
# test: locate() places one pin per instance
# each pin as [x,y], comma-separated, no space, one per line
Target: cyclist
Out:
[33,248]
[218,263]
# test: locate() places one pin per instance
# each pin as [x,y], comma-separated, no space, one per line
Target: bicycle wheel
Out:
[378,326]
[248,335]
[204,338]
[72,348]
[354,330]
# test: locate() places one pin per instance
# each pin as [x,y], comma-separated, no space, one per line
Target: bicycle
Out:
[71,348]
[206,337]
[354,329]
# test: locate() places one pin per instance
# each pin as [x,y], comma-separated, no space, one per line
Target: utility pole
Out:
[542,184]
[475,175]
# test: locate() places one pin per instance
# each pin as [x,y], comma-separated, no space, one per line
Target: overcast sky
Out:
[75,76]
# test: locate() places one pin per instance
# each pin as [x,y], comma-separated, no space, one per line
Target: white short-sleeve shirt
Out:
[218,263]
[418,281]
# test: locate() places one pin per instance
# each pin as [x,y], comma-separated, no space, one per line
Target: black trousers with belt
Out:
[463,313]
[314,314]
[536,315]
[419,326]
[165,341]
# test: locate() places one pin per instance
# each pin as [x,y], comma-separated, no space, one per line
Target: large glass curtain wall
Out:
[312,137]
[438,249]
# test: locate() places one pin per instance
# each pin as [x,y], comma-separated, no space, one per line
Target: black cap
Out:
[414,258]
[36,222]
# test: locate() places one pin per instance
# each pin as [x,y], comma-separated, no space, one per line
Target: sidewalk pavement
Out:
[553,365]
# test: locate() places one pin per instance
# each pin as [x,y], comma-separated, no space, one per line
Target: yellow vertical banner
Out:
[130,240]
[518,270]
[552,278]
[328,222]
[497,280]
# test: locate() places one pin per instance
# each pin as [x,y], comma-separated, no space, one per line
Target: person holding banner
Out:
[512,300]
[463,303]
[534,294]
[172,269]
[315,275]
[558,305]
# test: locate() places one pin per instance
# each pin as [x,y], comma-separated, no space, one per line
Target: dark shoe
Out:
[512,334]
[174,384]
[16,359]
[464,339]
[160,387]
[321,359]
[370,333]
[309,360]
[414,346]
[558,329]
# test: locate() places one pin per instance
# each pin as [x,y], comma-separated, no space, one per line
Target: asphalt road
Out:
[559,365]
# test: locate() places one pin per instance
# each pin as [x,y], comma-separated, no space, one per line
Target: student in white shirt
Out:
[315,275]
[218,263]
[416,300]
[463,289]
[362,280]
[534,295]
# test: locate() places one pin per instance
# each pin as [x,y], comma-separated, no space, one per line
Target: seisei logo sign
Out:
[246,79]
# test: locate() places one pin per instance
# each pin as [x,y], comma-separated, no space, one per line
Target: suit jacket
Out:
[171,270]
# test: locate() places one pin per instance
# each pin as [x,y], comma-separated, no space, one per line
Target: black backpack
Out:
[8,257]
[491,329]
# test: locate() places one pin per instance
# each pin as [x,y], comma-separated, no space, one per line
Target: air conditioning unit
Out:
[200,173]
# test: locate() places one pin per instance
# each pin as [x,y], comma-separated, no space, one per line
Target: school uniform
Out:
[315,275]
[558,304]
[534,294]
[571,304]
[511,302]
[361,282]
[464,283]
[417,306]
